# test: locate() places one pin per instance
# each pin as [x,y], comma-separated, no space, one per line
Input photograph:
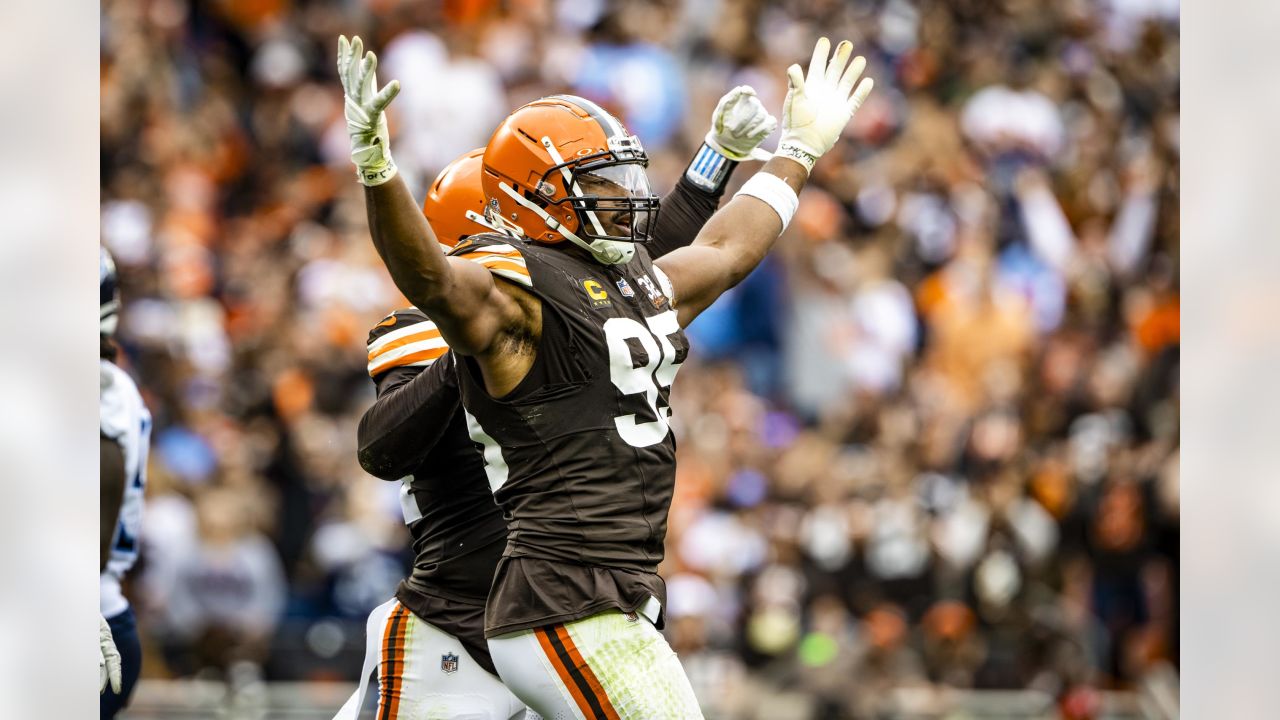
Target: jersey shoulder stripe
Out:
[498,255]
[397,320]
[405,338]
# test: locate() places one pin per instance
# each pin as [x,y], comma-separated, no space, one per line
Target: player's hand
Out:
[365,107]
[739,124]
[820,103]
[108,658]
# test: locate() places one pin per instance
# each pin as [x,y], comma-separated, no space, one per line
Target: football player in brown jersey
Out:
[566,343]
[416,433]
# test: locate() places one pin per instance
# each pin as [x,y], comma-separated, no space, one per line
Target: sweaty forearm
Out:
[413,410]
[406,243]
[735,240]
[748,227]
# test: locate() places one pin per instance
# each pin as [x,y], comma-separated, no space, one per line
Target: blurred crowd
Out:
[932,442]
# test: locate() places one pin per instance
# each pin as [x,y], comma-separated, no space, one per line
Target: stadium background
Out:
[929,447]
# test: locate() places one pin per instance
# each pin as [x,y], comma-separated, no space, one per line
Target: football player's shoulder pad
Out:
[501,254]
[405,338]
[398,320]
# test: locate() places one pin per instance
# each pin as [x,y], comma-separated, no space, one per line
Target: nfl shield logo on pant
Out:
[449,663]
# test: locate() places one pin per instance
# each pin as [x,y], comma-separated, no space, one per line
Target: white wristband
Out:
[801,155]
[373,178]
[775,191]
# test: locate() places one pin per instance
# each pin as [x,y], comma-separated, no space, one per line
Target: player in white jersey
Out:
[125,437]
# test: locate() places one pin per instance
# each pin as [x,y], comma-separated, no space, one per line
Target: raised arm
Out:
[739,124]
[461,296]
[818,107]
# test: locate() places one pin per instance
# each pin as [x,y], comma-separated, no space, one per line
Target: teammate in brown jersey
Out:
[416,433]
[567,342]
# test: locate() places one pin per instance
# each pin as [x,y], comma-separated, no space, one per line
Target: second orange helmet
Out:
[455,204]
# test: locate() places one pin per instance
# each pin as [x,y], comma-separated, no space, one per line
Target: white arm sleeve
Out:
[1132,232]
[1047,227]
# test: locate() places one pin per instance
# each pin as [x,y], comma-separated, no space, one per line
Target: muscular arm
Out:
[111,479]
[729,247]
[414,407]
[461,296]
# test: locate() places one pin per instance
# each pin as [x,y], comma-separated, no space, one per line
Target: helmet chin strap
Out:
[613,252]
[496,223]
[608,252]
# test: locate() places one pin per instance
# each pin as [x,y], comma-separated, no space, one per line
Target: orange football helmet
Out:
[562,169]
[455,205]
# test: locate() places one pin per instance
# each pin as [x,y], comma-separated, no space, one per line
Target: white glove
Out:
[739,124]
[819,104]
[108,658]
[364,108]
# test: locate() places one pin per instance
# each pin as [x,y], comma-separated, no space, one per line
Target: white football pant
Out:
[426,674]
[610,666]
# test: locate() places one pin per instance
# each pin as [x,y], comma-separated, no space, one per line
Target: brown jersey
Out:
[579,455]
[417,432]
